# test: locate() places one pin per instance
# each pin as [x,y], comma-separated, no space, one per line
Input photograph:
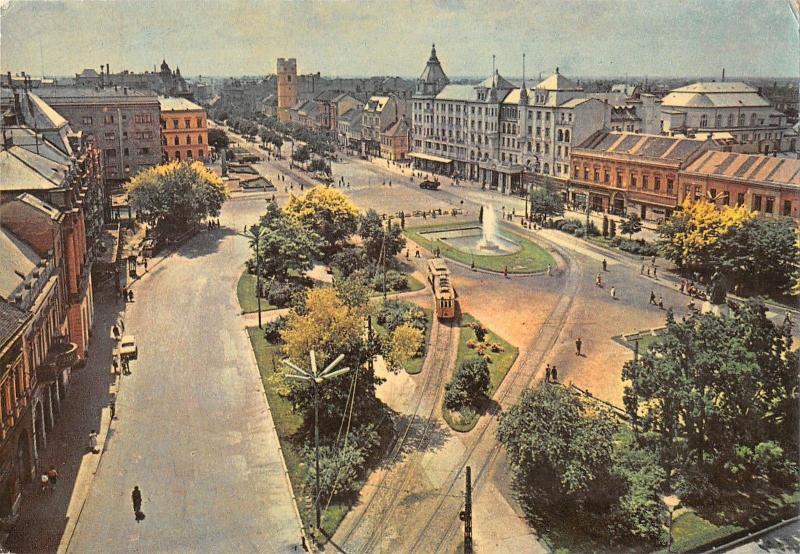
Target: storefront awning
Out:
[429,158]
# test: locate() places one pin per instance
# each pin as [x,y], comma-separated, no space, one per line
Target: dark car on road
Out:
[429,185]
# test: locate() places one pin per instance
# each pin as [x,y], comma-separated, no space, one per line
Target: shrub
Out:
[470,384]
[272,329]
[395,313]
[338,470]
[395,281]
[612,229]
[471,343]
[349,260]
[281,294]
[480,330]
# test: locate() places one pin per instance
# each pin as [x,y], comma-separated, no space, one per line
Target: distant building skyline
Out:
[591,39]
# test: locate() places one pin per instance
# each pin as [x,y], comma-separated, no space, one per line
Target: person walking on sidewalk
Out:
[549,270]
[547,373]
[44,480]
[136,498]
[93,442]
[605,265]
[554,375]
[613,293]
[578,344]
[52,477]
[653,298]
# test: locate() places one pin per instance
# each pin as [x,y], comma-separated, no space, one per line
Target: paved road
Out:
[194,431]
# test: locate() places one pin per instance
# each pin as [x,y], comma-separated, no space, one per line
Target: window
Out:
[87,120]
[752,120]
[199,122]
[787,207]
[126,152]
[741,120]
[619,178]
[547,169]
[110,135]
[712,194]
[606,177]
[730,120]
[177,141]
[633,181]
[596,175]
[703,120]
[656,183]
[726,198]
[546,148]
[189,139]
[645,179]
[770,204]
[199,139]
[585,173]
[740,199]
[124,117]
[108,119]
[174,123]
[111,153]
[144,151]
[189,154]
[670,185]
[576,172]
[719,121]
[757,203]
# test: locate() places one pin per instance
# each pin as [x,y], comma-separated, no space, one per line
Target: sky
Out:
[586,38]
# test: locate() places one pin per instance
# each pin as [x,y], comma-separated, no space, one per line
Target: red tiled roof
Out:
[749,167]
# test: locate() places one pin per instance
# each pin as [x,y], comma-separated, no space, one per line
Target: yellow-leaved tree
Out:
[326,211]
[404,342]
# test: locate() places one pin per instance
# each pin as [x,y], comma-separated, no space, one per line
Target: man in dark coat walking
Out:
[136,497]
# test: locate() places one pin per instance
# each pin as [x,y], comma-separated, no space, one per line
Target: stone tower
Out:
[287,87]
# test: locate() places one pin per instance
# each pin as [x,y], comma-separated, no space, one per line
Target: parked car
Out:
[127,347]
[429,185]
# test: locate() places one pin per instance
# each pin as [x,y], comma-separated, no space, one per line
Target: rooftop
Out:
[18,258]
[172,104]
[11,321]
[24,170]
[715,95]
[748,167]
[557,81]
[653,147]
[52,93]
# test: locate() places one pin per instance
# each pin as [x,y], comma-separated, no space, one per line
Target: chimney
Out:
[115,88]
[723,74]
[10,81]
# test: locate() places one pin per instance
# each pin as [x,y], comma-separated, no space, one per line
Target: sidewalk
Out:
[48,519]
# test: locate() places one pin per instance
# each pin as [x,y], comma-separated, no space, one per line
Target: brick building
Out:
[631,173]
[766,184]
[184,129]
[395,140]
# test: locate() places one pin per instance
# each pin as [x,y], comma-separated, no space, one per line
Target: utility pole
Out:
[466,515]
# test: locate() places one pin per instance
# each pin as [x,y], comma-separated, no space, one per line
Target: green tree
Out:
[605,225]
[328,212]
[301,154]
[174,196]
[631,225]
[612,229]
[218,138]
[546,202]
[470,384]
[377,238]
[285,245]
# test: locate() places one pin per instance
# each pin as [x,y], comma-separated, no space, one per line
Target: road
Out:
[194,430]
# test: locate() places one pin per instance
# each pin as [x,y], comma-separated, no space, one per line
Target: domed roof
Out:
[433,72]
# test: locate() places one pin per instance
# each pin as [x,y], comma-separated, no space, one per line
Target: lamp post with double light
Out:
[671,502]
[316,378]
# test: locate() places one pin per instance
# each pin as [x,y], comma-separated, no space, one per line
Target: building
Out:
[734,107]
[628,173]
[16,424]
[378,114]
[350,129]
[500,134]
[166,82]
[124,125]
[395,140]
[184,129]
[766,184]
[333,104]
[287,87]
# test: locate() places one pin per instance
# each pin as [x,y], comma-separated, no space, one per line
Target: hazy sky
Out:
[689,38]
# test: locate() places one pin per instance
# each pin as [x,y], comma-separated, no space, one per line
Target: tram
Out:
[443,292]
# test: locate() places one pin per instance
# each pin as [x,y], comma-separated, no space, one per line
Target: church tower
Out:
[287,87]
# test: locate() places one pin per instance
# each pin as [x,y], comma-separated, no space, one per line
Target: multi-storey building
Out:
[166,82]
[497,133]
[734,107]
[624,173]
[287,87]
[124,124]
[184,129]
[350,129]
[379,113]
[766,184]
[395,140]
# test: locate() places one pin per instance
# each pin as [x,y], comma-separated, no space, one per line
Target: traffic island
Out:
[476,341]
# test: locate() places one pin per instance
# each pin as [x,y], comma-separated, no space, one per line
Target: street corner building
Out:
[184,129]
[53,209]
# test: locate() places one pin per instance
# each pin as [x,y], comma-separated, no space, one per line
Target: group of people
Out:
[49,479]
[127,294]
[551,374]
[213,224]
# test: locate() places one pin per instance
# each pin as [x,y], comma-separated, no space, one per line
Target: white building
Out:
[733,107]
[498,133]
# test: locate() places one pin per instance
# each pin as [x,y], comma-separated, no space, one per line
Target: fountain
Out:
[489,227]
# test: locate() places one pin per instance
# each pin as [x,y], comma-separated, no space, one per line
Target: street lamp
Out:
[671,502]
[316,379]
[256,232]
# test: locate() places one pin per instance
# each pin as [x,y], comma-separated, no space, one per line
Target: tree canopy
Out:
[379,239]
[328,212]
[631,225]
[175,195]
[285,245]
[546,202]
[218,138]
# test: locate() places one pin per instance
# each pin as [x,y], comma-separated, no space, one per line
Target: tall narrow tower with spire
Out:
[430,83]
[433,78]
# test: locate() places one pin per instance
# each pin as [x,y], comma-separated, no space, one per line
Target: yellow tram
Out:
[443,292]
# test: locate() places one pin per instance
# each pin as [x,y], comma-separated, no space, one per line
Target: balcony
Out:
[62,355]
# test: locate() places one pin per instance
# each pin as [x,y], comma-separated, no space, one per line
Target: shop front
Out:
[431,163]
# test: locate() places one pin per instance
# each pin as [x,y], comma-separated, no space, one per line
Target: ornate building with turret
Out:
[165,82]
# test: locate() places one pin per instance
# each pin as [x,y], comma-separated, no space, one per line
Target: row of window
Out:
[732,120]
[759,203]
[189,155]
[109,119]
[111,153]
[634,179]
[187,123]
[176,140]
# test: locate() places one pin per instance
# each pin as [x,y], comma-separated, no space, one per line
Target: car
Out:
[127,347]
[428,184]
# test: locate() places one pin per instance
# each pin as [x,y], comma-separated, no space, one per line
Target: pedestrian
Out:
[654,260]
[613,293]
[641,271]
[554,375]
[549,270]
[144,261]
[652,297]
[52,477]
[598,280]
[115,332]
[121,323]
[45,482]
[136,497]
[683,286]
[416,254]
[113,407]
[472,265]
[505,272]
[547,373]
[124,294]
[407,256]
[648,272]
[578,345]
[130,296]
[660,302]
[605,265]
[115,365]
[93,442]
[655,272]
[787,318]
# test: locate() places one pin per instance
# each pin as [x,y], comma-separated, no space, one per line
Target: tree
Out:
[330,327]
[328,212]
[301,154]
[555,442]
[404,342]
[546,202]
[605,225]
[318,164]
[174,196]
[631,224]
[218,138]
[470,384]
[760,255]
[691,238]
[713,384]
[285,245]
[612,229]
[377,239]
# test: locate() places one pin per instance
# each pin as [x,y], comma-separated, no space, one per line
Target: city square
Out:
[439,313]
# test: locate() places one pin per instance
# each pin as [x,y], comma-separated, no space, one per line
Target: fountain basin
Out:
[470,239]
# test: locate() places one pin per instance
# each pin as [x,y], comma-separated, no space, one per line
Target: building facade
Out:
[184,130]
[124,125]
[379,113]
[166,81]
[395,140]
[287,87]
[628,173]
[734,107]
[766,184]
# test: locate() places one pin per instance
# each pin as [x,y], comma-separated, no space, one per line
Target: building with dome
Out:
[733,107]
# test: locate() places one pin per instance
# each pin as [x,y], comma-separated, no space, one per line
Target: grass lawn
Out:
[287,424]
[646,340]
[530,259]
[414,365]
[246,293]
[414,284]
[499,365]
